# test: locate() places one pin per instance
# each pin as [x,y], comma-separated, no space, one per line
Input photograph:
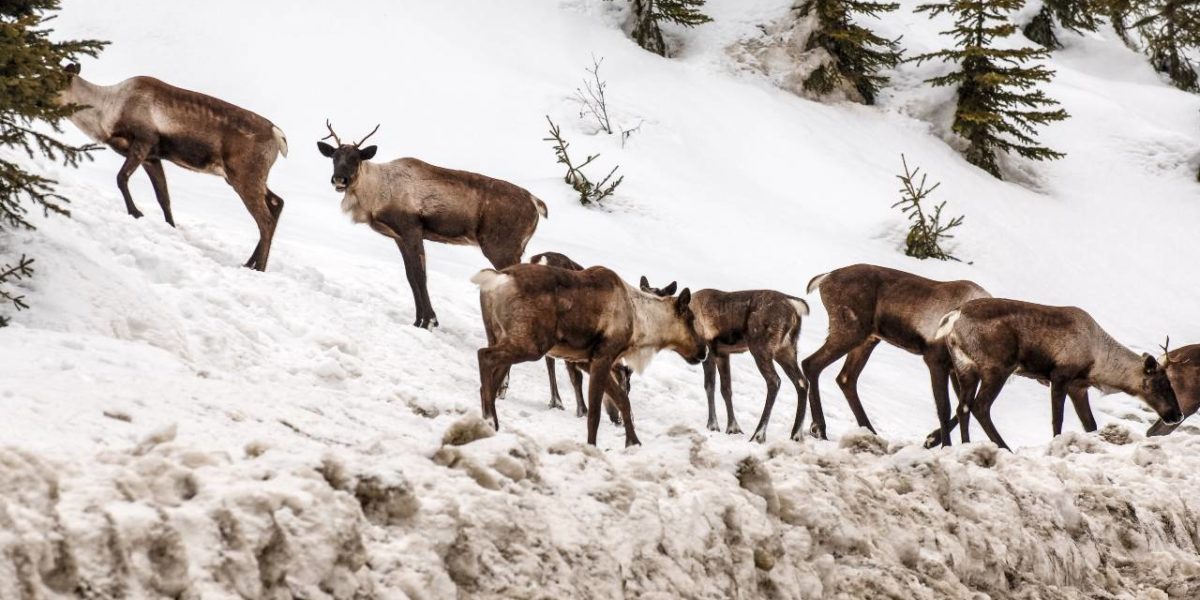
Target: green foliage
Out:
[859,54]
[926,232]
[1171,31]
[590,193]
[1118,13]
[649,15]
[15,272]
[999,107]
[1076,15]
[31,76]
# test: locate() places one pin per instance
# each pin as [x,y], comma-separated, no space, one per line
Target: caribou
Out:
[575,370]
[765,323]
[1183,369]
[869,303]
[590,316]
[990,339]
[411,201]
[147,121]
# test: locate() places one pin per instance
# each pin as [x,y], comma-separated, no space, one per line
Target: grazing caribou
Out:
[1183,369]
[991,339]
[868,303]
[764,322]
[574,370]
[412,201]
[590,316]
[148,121]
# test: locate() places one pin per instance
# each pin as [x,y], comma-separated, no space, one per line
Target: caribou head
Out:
[347,158]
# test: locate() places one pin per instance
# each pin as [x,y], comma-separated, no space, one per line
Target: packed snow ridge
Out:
[504,516]
[177,426]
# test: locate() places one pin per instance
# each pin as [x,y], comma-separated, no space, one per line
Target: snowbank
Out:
[505,516]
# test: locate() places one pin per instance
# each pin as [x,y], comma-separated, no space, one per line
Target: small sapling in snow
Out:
[926,232]
[590,192]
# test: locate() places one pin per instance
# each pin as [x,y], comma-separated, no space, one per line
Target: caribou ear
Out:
[685,298]
[367,153]
[72,68]
[326,149]
[1151,365]
[669,290]
[644,284]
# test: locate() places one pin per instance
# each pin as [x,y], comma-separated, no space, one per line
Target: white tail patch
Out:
[800,305]
[946,324]
[541,206]
[815,283]
[489,279]
[280,139]
[542,261]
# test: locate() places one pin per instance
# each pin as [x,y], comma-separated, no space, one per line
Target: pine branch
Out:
[589,193]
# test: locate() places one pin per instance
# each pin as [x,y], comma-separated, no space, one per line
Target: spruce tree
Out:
[858,53]
[1171,31]
[999,107]
[1076,15]
[1118,13]
[649,15]
[31,76]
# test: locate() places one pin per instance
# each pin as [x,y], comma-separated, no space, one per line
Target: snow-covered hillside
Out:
[177,425]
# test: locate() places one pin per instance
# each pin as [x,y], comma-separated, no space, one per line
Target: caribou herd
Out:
[596,322]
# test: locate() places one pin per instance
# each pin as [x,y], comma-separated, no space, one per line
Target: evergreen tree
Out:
[1118,12]
[649,15]
[31,75]
[999,108]
[1076,15]
[1171,31]
[858,53]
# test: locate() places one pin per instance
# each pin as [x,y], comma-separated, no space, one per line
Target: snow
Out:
[177,425]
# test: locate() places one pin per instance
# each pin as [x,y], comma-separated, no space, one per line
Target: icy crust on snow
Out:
[504,516]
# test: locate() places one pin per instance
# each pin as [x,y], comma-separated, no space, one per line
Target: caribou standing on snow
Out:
[148,121]
[1183,369]
[868,303]
[590,316]
[411,201]
[574,370]
[764,322]
[991,339]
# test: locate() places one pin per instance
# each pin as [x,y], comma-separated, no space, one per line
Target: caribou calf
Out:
[590,316]
[764,322]
[411,201]
[991,339]
[1183,369]
[868,303]
[147,121]
[574,370]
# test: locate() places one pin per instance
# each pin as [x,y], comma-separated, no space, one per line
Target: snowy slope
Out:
[142,330]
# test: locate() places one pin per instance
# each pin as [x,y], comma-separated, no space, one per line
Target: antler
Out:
[1166,348]
[333,135]
[359,142]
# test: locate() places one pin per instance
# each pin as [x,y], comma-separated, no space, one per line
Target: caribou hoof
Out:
[632,442]
[135,213]
[733,429]
[817,432]
[759,436]
[933,440]
[712,425]
[556,404]
[580,412]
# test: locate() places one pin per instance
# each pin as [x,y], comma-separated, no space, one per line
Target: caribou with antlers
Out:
[1183,369]
[411,201]
[148,121]
[991,339]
